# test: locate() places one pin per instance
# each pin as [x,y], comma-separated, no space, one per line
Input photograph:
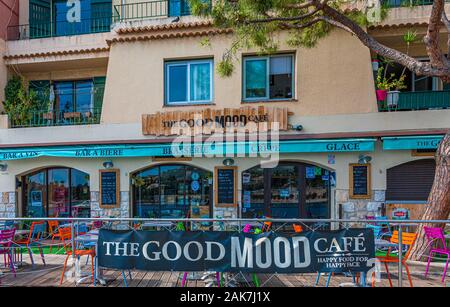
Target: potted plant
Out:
[394,95]
[388,87]
[382,85]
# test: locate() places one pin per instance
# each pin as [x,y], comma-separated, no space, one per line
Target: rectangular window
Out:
[268,78]
[188,82]
[74,96]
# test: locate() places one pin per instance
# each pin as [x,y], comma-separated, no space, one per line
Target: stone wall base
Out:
[8,205]
[354,209]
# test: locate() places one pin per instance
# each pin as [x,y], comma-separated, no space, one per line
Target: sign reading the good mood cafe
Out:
[223,251]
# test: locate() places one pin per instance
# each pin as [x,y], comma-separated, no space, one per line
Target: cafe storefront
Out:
[154,176]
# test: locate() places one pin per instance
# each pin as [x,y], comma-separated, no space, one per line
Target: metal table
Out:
[90,238]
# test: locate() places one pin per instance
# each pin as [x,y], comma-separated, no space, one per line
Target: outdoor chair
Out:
[34,239]
[6,225]
[54,232]
[66,237]
[436,240]
[408,239]
[6,240]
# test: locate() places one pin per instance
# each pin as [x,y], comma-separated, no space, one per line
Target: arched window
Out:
[290,190]
[58,191]
[172,190]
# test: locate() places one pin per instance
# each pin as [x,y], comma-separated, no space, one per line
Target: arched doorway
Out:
[172,191]
[56,192]
[290,190]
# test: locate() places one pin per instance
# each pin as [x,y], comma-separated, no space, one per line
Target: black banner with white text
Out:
[350,250]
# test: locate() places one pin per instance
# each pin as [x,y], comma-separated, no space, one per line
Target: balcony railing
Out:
[152,9]
[45,118]
[410,101]
[59,28]
[408,3]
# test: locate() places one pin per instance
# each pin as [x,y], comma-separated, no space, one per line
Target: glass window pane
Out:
[199,185]
[177,87]
[58,192]
[80,194]
[423,83]
[36,194]
[317,192]
[83,97]
[285,194]
[253,193]
[173,187]
[146,193]
[255,78]
[280,77]
[200,82]
[64,96]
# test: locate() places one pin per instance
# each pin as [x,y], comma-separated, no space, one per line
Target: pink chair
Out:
[436,240]
[6,239]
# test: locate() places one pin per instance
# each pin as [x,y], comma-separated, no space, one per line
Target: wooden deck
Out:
[49,275]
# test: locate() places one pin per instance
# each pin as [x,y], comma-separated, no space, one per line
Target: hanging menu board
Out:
[225,186]
[109,188]
[360,185]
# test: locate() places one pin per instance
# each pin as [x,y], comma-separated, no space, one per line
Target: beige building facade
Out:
[88,151]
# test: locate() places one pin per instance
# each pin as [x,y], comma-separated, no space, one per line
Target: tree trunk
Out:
[438,207]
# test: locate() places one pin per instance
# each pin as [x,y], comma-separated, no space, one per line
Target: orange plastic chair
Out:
[408,239]
[297,228]
[34,238]
[66,237]
[266,226]
[53,229]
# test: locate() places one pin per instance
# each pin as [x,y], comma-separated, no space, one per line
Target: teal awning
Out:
[411,142]
[250,148]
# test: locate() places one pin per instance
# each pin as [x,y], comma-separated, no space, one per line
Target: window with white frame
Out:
[188,82]
[268,77]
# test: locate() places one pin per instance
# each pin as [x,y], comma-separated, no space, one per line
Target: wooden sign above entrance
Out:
[208,121]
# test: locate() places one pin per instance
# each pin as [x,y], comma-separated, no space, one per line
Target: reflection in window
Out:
[290,190]
[268,78]
[253,193]
[172,191]
[80,194]
[36,194]
[57,192]
[285,194]
[317,192]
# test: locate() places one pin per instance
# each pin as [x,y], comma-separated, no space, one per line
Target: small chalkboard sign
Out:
[226,185]
[360,186]
[109,188]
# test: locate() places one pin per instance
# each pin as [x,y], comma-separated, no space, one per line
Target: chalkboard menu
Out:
[360,181]
[225,186]
[109,188]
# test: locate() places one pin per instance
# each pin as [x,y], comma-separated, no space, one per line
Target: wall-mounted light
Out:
[362,159]
[228,162]
[108,164]
[3,167]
